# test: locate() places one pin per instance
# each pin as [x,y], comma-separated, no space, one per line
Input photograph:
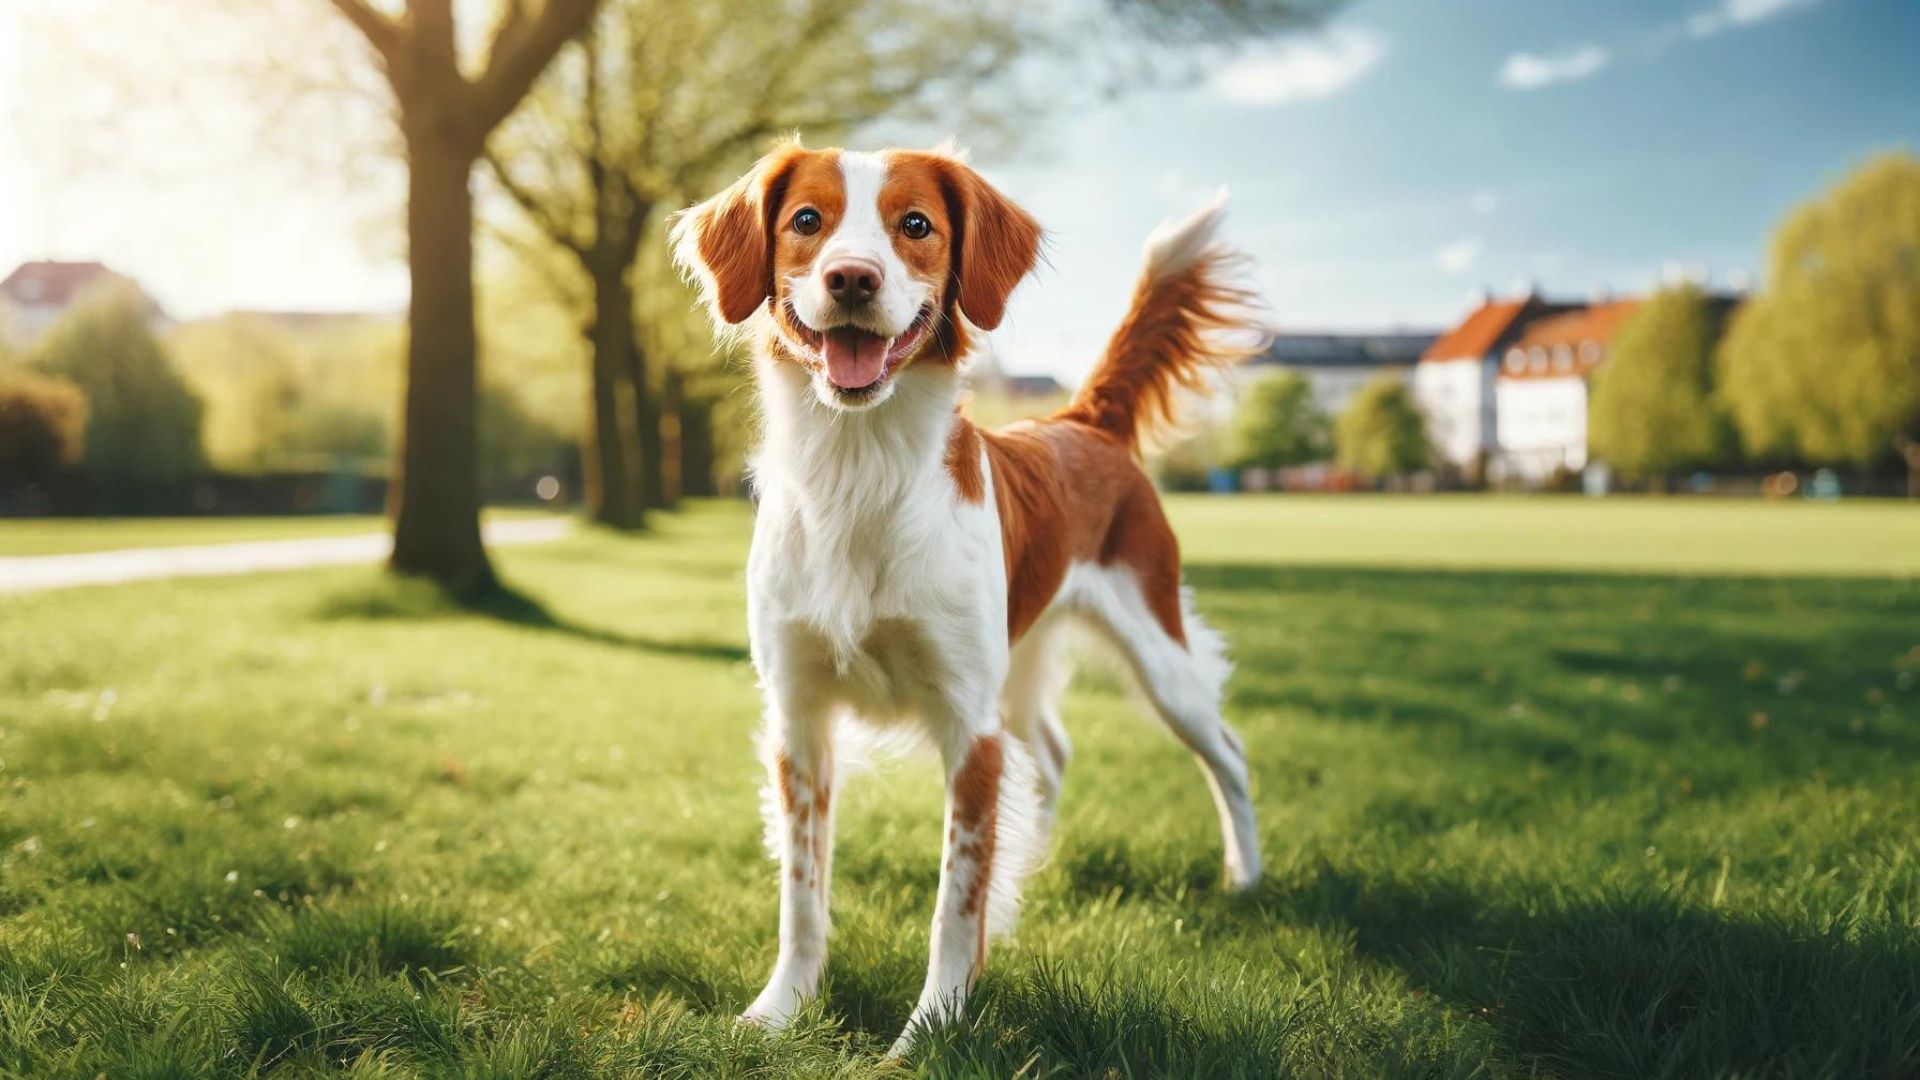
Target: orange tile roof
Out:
[1557,336]
[1477,336]
[1598,323]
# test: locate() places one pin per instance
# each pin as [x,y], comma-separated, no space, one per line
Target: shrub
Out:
[1278,424]
[1382,434]
[42,423]
[144,423]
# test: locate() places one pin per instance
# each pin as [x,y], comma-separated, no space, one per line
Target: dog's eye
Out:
[807,222]
[916,226]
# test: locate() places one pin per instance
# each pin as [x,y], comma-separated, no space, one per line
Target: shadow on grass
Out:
[402,598]
[1629,984]
[1608,671]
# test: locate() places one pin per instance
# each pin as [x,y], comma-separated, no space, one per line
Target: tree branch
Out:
[522,47]
[381,32]
[534,207]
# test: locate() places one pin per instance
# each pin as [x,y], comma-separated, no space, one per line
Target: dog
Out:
[909,569]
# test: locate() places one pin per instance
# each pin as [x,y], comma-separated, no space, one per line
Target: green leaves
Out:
[1278,424]
[1824,363]
[1653,409]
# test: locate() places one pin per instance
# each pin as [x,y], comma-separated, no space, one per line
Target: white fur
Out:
[862,234]
[1178,243]
[877,596]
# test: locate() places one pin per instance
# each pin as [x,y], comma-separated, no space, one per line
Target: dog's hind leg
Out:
[1037,673]
[1183,682]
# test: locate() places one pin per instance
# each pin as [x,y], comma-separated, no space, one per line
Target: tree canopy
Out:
[1823,364]
[1653,410]
[1382,435]
[1278,424]
[143,421]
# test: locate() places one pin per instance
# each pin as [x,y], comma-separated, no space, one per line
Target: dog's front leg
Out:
[800,768]
[975,767]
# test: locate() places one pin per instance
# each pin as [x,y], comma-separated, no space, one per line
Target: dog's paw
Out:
[902,1046]
[774,1009]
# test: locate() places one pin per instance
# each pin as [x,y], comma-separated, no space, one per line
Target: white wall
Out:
[1542,425]
[1457,396]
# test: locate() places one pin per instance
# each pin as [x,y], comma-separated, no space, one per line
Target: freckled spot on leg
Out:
[784,770]
[976,807]
[976,787]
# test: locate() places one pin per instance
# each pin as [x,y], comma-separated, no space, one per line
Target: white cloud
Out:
[1526,71]
[1297,69]
[1459,256]
[1483,202]
[1729,14]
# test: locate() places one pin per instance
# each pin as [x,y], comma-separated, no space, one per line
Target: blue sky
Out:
[1384,170]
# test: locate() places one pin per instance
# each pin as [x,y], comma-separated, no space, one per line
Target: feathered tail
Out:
[1188,319]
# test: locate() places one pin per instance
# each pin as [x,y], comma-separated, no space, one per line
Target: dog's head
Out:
[858,264]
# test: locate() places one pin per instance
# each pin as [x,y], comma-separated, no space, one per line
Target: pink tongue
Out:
[855,358]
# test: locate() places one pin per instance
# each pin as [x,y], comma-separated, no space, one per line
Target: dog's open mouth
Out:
[858,361]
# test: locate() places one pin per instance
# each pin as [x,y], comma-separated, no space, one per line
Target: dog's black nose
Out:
[853,281]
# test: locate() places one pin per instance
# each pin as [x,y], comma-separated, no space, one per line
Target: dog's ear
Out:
[725,245]
[998,245]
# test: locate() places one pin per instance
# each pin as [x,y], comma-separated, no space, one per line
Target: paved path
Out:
[35,572]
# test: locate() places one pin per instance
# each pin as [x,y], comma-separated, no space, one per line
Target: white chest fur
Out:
[871,582]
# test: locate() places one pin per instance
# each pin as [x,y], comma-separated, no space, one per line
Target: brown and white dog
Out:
[911,569]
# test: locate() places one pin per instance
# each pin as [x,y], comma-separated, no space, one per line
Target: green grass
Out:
[1520,820]
[69,536]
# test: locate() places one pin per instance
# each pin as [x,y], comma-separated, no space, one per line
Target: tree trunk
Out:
[435,498]
[696,446]
[672,448]
[1910,450]
[647,422]
[614,495]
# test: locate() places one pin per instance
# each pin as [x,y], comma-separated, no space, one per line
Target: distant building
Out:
[1507,390]
[315,322]
[37,294]
[1540,397]
[1336,366]
[1031,386]
[1455,379]
[989,377]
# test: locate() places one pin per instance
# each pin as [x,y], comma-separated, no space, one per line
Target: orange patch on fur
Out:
[1067,493]
[1170,339]
[976,808]
[963,460]
[784,770]
[1069,489]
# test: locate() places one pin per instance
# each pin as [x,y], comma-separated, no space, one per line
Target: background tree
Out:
[143,421]
[1382,435]
[1654,411]
[444,118]
[1277,424]
[660,101]
[1824,363]
[43,423]
[300,394]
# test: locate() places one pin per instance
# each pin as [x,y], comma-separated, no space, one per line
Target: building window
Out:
[1590,352]
[1516,360]
[1563,357]
[1537,359]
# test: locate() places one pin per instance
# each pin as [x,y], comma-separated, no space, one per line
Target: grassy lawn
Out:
[69,536]
[1535,798]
